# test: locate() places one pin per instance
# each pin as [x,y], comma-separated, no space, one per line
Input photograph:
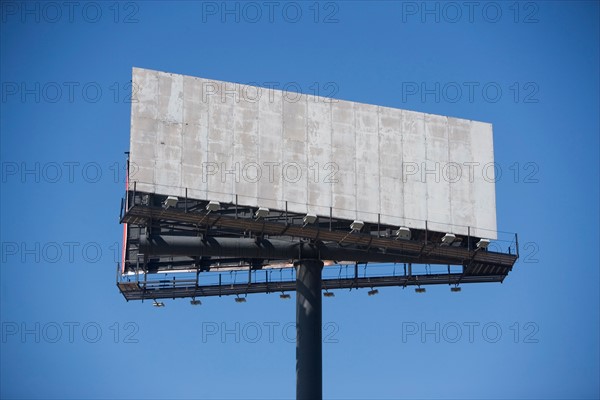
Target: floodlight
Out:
[195,302]
[261,212]
[373,292]
[420,290]
[403,233]
[213,206]
[448,238]
[357,225]
[285,296]
[483,243]
[158,304]
[171,201]
[329,294]
[309,219]
[455,289]
[240,299]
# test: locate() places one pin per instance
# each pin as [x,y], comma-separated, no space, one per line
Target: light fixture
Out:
[171,201]
[329,294]
[448,238]
[285,296]
[455,289]
[403,233]
[309,219]
[483,243]
[420,290]
[213,206]
[357,225]
[373,292]
[195,302]
[240,299]
[261,212]
[158,304]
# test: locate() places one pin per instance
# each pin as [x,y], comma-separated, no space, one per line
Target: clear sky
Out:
[68,333]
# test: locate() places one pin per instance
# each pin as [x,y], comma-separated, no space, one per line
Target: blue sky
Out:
[68,333]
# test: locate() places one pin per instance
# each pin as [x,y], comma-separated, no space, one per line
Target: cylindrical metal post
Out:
[309,363]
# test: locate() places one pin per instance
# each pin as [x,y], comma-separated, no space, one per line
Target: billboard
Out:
[281,150]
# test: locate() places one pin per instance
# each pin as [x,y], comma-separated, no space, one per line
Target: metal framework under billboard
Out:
[192,239]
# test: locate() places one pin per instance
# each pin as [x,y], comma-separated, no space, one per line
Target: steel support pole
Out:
[309,363]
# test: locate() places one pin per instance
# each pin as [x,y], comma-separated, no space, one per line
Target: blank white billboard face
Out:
[273,148]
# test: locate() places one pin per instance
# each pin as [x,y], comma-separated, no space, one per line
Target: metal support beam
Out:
[259,248]
[309,352]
